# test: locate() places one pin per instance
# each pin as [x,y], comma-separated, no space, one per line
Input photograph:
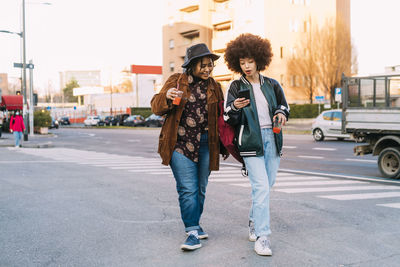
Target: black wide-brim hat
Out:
[197,51]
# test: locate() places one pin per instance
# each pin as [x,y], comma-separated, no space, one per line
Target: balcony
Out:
[188,5]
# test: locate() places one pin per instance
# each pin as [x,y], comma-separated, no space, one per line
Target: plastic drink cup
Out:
[276,128]
[177,99]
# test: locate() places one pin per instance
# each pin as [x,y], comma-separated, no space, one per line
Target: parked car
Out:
[134,120]
[91,120]
[64,121]
[108,120]
[154,121]
[119,119]
[54,124]
[328,124]
[101,122]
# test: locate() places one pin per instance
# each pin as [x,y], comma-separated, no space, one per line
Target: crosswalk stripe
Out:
[334,189]
[242,185]
[285,174]
[316,183]
[143,168]
[160,173]
[301,178]
[225,180]
[363,196]
[390,205]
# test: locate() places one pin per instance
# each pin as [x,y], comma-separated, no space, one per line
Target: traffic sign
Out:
[338,94]
[48,108]
[74,107]
[20,65]
[319,98]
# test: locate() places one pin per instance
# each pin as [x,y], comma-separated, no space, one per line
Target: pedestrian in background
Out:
[17,127]
[189,140]
[253,116]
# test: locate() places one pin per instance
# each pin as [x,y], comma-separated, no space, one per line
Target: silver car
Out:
[328,124]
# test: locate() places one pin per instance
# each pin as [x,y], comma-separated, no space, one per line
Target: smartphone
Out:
[244,94]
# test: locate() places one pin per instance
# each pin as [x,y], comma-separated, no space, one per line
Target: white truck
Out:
[371,112]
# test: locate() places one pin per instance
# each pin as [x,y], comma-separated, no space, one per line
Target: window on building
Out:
[306,26]
[171,44]
[281,51]
[171,66]
[294,81]
[282,80]
[294,25]
[293,51]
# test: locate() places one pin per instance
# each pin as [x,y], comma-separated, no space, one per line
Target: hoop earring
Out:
[190,78]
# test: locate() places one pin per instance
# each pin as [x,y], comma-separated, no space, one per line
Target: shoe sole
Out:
[264,254]
[251,239]
[190,248]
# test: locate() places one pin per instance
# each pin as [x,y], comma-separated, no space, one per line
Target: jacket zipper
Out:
[240,134]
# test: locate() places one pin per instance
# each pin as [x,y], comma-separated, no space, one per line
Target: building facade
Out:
[3,84]
[216,22]
[83,77]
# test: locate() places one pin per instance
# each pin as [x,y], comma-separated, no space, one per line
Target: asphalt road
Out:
[100,197]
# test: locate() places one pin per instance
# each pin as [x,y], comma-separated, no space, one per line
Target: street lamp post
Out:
[24,71]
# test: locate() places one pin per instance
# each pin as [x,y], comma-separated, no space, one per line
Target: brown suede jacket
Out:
[160,105]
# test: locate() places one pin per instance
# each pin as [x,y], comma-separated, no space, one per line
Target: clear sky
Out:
[112,34]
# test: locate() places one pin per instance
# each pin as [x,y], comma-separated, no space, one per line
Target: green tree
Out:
[68,91]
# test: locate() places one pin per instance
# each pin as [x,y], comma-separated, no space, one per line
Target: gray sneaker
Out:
[263,246]
[252,232]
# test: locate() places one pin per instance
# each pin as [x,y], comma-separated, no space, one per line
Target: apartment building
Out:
[216,22]
[3,84]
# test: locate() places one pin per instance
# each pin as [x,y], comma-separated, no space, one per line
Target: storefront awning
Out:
[12,102]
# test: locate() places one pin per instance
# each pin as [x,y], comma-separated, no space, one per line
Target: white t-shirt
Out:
[262,107]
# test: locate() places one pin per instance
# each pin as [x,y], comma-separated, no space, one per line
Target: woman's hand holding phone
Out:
[241,102]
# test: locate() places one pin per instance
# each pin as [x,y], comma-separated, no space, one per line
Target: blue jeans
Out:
[262,174]
[191,182]
[17,137]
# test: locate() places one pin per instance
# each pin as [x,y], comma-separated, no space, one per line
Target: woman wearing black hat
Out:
[189,140]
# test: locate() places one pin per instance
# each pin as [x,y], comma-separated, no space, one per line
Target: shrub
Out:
[42,118]
[145,112]
[305,110]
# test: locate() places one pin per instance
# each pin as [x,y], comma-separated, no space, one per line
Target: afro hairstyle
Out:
[248,45]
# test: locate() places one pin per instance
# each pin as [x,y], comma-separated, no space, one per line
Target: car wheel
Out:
[389,162]
[318,135]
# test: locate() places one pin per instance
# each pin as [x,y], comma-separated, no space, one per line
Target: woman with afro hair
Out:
[254,103]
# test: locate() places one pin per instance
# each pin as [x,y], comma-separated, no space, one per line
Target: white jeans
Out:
[262,174]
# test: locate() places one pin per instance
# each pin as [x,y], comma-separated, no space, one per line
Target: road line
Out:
[289,147]
[285,174]
[324,148]
[363,196]
[311,157]
[316,183]
[363,160]
[156,164]
[390,205]
[161,173]
[144,168]
[302,178]
[335,189]
[242,185]
[225,180]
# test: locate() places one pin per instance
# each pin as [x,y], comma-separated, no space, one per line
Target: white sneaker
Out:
[252,232]
[263,246]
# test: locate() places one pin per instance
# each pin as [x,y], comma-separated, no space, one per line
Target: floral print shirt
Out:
[194,121]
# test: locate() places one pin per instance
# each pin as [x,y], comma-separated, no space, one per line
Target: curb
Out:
[44,145]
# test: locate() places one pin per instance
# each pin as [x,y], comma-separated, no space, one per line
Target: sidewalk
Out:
[36,141]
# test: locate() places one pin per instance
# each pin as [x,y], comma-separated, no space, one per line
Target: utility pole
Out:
[24,72]
[31,108]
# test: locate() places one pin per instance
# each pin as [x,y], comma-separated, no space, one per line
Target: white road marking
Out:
[390,205]
[247,185]
[363,196]
[324,148]
[289,147]
[227,180]
[285,174]
[335,189]
[134,140]
[363,160]
[301,178]
[311,157]
[315,183]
